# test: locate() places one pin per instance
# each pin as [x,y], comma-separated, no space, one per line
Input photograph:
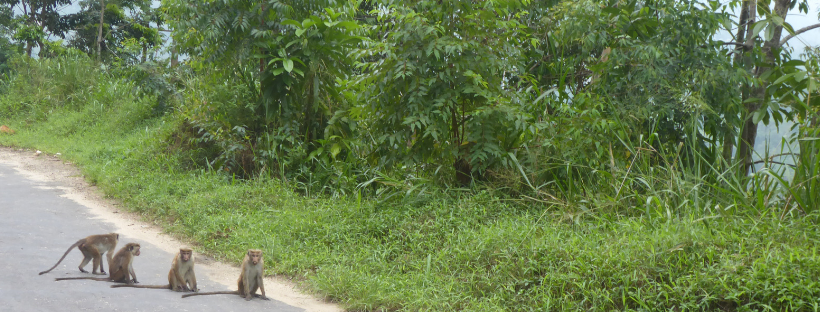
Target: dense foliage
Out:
[495,155]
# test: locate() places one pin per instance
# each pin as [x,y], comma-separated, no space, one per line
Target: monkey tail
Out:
[212,293]
[82,278]
[78,243]
[143,286]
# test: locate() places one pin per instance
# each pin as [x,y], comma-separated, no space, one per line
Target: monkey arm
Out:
[261,286]
[192,280]
[133,275]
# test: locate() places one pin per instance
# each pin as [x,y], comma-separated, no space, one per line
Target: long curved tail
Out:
[212,293]
[103,279]
[78,243]
[168,286]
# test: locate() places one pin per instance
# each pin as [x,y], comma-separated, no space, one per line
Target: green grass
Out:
[472,252]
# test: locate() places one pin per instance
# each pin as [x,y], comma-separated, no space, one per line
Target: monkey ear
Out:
[130,247]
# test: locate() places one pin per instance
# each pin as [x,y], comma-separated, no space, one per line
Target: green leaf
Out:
[751,100]
[315,21]
[766,74]
[727,22]
[520,169]
[757,116]
[287,64]
[758,27]
[783,78]
[788,28]
[292,23]
[769,32]
[611,10]
[793,63]
[349,25]
[315,153]
[335,149]
[308,22]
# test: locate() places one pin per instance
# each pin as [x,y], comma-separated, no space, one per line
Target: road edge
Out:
[52,169]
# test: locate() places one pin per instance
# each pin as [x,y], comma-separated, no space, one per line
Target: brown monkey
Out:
[121,267]
[250,278]
[181,275]
[92,247]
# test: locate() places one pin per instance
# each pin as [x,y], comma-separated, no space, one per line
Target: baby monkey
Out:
[181,276]
[250,278]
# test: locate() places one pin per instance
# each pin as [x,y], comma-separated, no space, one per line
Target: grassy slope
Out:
[475,253]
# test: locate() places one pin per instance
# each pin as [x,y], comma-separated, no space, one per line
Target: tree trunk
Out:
[464,171]
[28,49]
[728,147]
[743,24]
[99,30]
[174,60]
[462,167]
[42,47]
[749,132]
[308,113]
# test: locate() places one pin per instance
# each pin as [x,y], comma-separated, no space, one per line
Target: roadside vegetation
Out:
[508,156]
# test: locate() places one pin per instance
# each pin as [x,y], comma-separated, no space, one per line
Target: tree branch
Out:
[741,44]
[797,32]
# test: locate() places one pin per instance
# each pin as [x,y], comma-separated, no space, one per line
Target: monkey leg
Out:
[251,293]
[261,297]
[87,256]
[107,255]
[97,264]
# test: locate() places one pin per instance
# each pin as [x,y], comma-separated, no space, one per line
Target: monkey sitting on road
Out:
[250,278]
[121,267]
[92,247]
[181,276]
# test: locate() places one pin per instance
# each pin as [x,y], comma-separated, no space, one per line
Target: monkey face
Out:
[135,249]
[255,256]
[185,255]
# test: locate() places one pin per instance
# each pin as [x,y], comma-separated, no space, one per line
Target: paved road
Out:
[36,227]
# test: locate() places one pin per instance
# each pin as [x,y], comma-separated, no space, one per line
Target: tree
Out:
[766,61]
[292,55]
[125,21]
[7,29]
[39,18]
[439,84]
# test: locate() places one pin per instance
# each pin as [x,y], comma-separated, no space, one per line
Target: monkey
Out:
[181,275]
[92,247]
[121,268]
[250,278]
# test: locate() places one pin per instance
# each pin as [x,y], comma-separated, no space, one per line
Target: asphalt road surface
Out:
[37,226]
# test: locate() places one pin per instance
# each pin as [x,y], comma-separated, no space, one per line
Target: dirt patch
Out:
[50,168]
